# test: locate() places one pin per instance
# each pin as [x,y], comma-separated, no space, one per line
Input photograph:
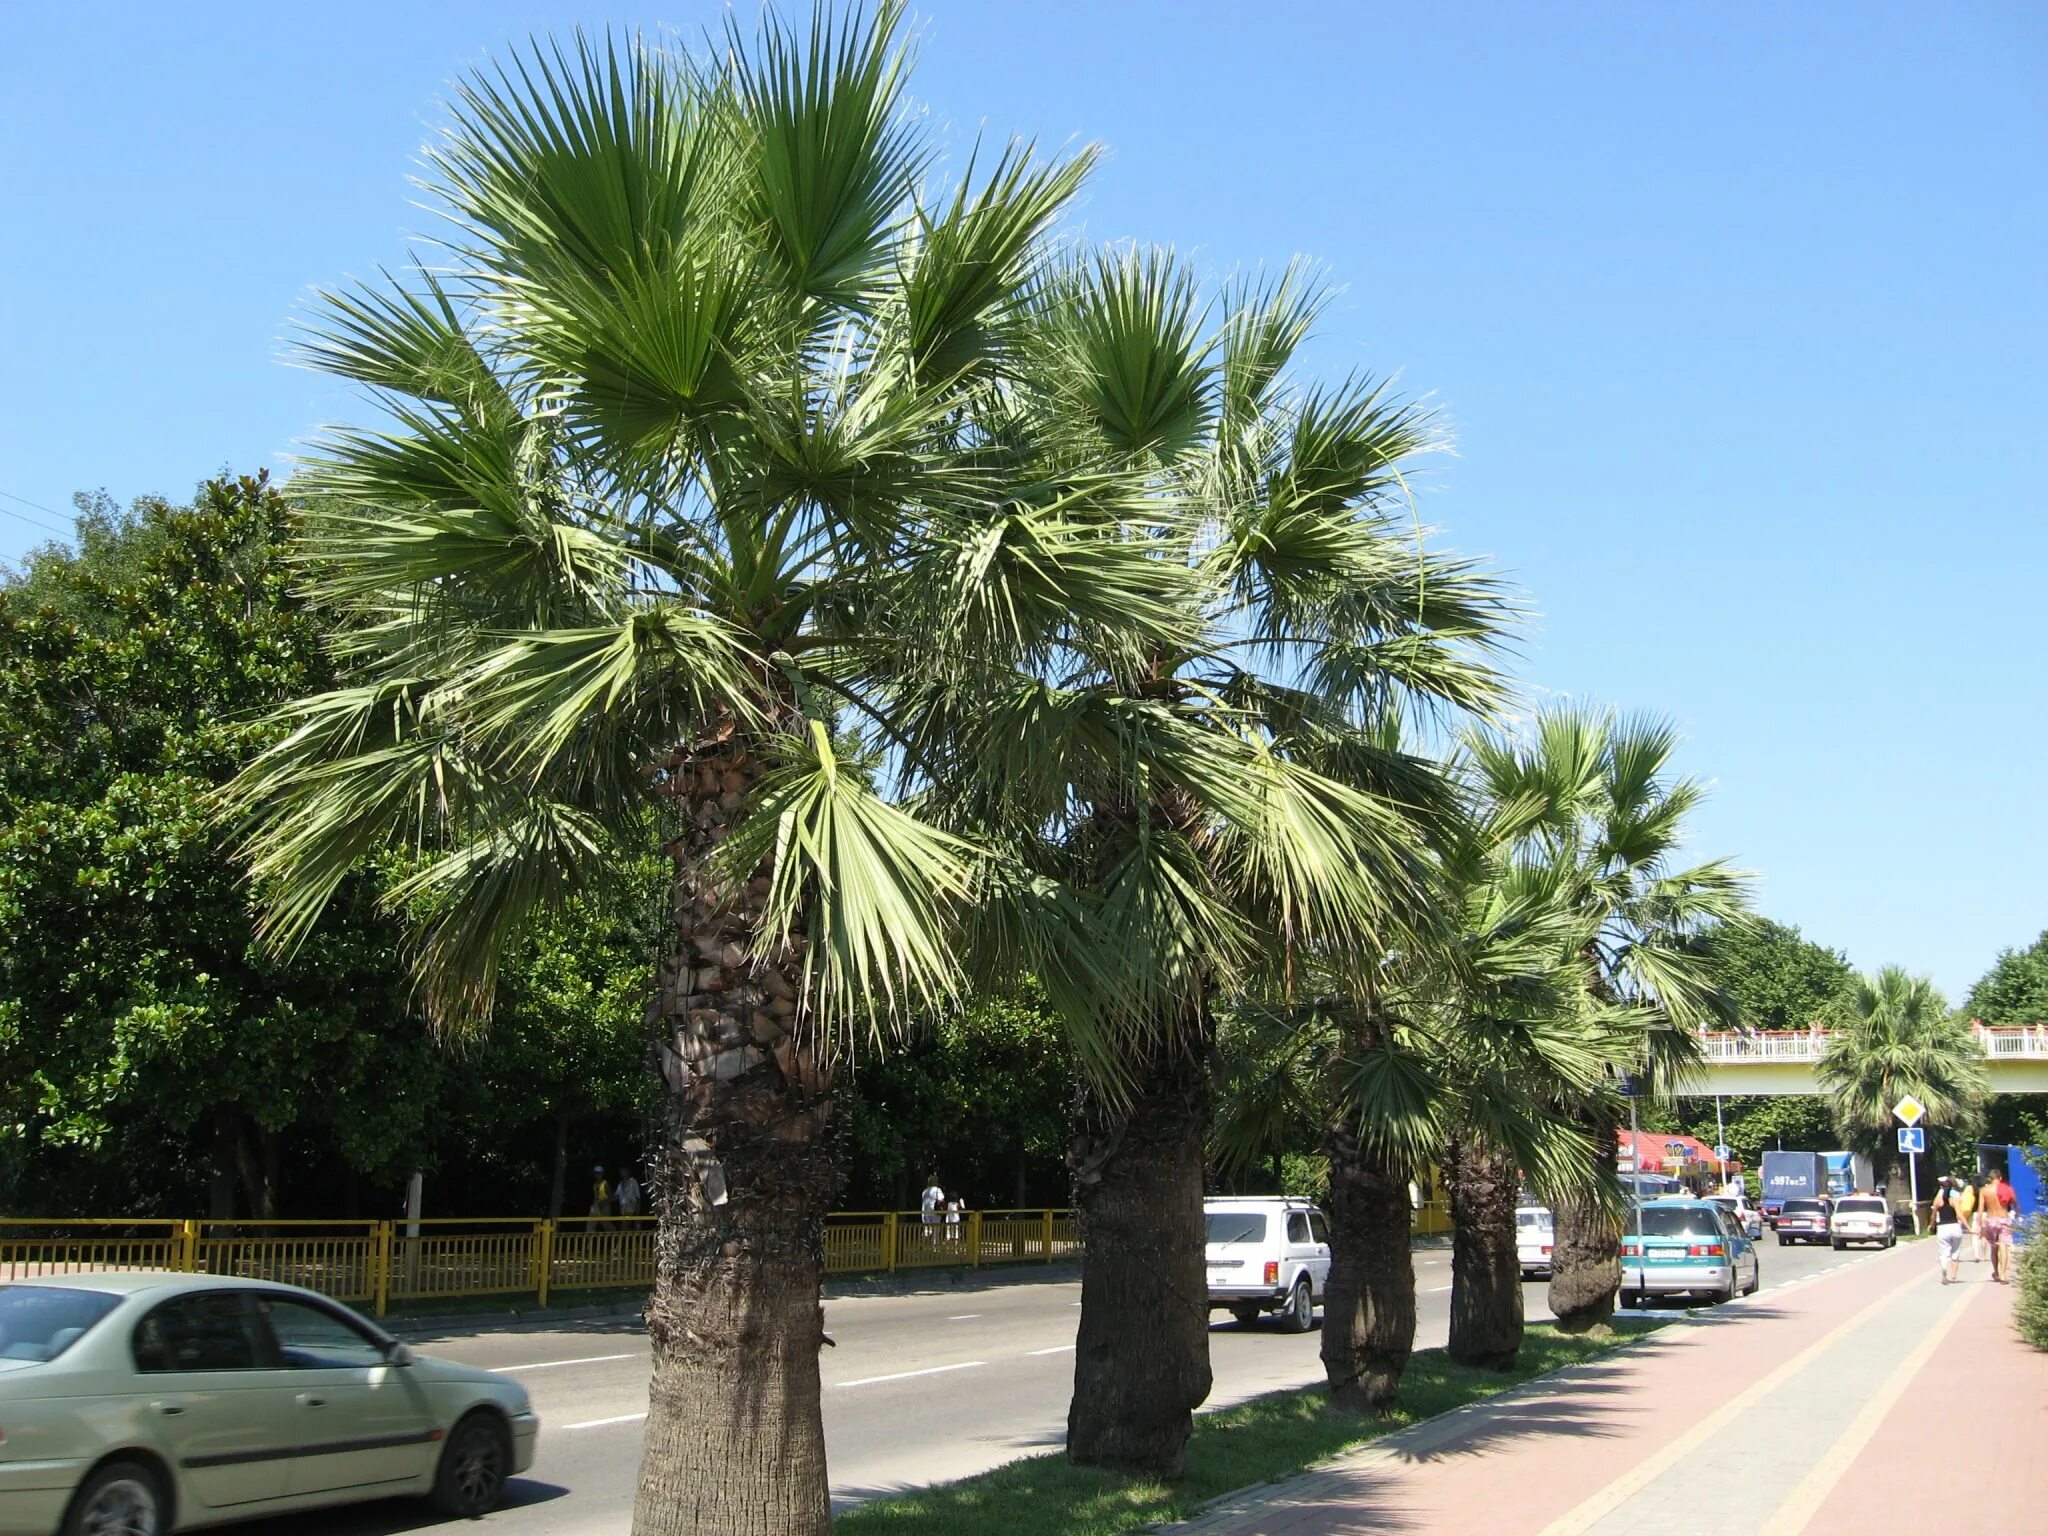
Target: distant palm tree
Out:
[1900,1038]
[1605,823]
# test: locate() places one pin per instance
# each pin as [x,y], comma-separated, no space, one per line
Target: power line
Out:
[36,521]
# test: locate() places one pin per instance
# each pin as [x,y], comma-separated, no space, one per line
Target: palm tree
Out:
[1900,1038]
[1604,825]
[711,423]
[1208,798]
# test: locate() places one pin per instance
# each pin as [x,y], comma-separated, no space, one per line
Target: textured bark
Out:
[1585,1259]
[1369,1299]
[1141,1362]
[558,1186]
[735,1442]
[1486,1272]
[220,1184]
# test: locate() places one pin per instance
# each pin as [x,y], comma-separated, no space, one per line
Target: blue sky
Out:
[1736,311]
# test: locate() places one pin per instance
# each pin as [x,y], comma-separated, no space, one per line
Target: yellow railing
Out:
[379,1262]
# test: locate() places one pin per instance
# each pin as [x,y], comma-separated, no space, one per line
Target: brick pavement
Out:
[1754,1420]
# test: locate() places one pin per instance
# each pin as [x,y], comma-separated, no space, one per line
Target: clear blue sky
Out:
[1736,310]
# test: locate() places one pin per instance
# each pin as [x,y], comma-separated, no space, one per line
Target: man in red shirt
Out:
[1998,1205]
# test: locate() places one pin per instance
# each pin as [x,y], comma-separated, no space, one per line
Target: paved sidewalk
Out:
[1758,1419]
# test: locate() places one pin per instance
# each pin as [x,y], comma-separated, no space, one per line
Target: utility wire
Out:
[38,522]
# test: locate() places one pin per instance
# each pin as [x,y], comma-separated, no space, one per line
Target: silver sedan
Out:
[139,1404]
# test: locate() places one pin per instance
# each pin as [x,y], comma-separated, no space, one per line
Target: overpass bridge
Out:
[1782,1062]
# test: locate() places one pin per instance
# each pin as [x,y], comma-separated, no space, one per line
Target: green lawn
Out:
[1268,1438]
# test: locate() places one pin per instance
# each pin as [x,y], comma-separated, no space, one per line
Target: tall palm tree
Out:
[1605,825]
[1207,794]
[1900,1038]
[710,423]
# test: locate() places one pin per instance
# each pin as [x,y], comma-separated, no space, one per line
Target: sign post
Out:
[1909,1110]
[1633,1088]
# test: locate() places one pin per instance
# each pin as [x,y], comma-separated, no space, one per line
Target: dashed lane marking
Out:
[549,1365]
[1057,1349]
[624,1418]
[933,1370]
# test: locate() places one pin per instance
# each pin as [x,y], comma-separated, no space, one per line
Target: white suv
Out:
[1267,1254]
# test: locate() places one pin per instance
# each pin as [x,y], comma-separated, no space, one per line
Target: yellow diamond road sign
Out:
[1909,1110]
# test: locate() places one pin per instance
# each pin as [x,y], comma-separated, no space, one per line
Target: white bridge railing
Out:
[2028,1042]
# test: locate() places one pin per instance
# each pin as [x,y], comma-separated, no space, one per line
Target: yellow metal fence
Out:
[381,1262]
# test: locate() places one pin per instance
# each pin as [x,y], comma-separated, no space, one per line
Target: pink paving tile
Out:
[1981,1400]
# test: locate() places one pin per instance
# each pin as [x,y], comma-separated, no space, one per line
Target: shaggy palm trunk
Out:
[1369,1299]
[1585,1259]
[1141,1361]
[735,1442]
[1486,1271]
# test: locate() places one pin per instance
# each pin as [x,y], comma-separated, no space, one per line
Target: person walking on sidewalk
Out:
[1966,1207]
[1997,1203]
[1948,1229]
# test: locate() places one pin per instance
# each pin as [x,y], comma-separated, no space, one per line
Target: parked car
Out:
[1804,1221]
[146,1403]
[1535,1234]
[1747,1216]
[1686,1248]
[1862,1219]
[1267,1254]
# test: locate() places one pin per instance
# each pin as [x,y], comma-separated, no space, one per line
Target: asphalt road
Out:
[921,1388]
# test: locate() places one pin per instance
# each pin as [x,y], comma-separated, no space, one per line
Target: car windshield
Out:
[40,1322]
[1237,1226]
[1536,1220]
[1860,1208]
[1803,1207]
[1678,1221]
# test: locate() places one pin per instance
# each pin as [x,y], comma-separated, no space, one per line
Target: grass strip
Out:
[1260,1440]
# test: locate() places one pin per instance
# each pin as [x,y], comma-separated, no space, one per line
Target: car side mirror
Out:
[398,1354]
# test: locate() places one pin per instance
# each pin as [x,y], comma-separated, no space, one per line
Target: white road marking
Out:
[549,1365]
[624,1418]
[935,1370]
[1435,1288]
[964,1317]
[1057,1349]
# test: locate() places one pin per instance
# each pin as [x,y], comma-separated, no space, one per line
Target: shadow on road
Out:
[391,1517]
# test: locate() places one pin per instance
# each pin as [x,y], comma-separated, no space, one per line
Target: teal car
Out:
[1690,1248]
[139,1404]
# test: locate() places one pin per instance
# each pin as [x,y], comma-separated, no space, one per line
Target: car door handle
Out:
[168,1410]
[306,1400]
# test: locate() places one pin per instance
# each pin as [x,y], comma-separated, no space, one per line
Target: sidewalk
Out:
[1802,1410]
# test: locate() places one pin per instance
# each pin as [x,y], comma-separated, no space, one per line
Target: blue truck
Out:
[1791,1176]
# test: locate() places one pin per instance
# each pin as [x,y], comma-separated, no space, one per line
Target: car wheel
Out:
[123,1498]
[1300,1311]
[474,1465]
[1784,1241]
[1838,1245]
[1245,1316]
[1756,1280]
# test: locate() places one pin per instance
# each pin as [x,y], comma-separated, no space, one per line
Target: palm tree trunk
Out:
[1486,1271]
[1369,1299]
[735,1442]
[1585,1259]
[1141,1362]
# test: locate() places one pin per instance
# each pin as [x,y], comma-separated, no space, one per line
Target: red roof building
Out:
[1667,1152]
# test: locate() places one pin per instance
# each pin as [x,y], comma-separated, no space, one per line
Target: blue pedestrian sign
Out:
[1912,1138]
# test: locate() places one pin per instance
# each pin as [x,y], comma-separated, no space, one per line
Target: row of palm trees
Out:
[950,601]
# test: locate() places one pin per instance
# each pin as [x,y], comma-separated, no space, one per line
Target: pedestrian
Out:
[1966,1210]
[1999,1205]
[600,1197]
[629,1198]
[933,1203]
[1948,1229]
[954,1207]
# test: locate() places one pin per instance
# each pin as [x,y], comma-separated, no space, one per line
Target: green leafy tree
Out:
[2015,989]
[135,1009]
[1775,978]
[1901,1038]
